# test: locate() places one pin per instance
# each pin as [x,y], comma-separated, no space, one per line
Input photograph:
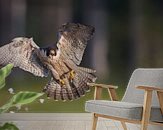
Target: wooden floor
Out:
[57,121]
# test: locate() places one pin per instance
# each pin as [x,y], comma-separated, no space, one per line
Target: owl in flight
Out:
[68,79]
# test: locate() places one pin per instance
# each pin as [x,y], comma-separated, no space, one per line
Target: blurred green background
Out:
[129,35]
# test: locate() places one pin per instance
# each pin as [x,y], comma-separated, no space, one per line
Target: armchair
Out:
[142,102]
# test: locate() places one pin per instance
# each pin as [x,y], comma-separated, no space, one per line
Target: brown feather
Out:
[21,53]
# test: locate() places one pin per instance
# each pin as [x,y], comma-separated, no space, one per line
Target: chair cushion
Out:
[125,110]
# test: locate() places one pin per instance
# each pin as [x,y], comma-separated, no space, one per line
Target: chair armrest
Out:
[148,97]
[102,85]
[98,88]
[150,88]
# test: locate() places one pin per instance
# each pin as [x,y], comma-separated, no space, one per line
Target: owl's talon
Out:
[62,82]
[72,75]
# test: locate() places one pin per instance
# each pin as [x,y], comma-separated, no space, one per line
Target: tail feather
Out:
[70,94]
[84,79]
[57,92]
[76,83]
[69,90]
[49,90]
[77,92]
[83,84]
[73,89]
[87,70]
[85,75]
[64,94]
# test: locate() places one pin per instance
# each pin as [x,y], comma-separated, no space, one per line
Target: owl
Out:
[68,79]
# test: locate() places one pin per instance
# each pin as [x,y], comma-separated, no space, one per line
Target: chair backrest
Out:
[147,77]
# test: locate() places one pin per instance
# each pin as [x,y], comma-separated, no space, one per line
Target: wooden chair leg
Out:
[146,110]
[94,121]
[124,125]
[160,98]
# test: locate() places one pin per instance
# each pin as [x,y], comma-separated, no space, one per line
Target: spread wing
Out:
[21,52]
[73,40]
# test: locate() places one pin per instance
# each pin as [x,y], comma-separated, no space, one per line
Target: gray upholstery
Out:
[147,77]
[125,110]
[131,105]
